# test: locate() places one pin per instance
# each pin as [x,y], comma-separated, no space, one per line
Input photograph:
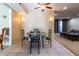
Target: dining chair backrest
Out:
[31,32]
[35,30]
[38,33]
[35,35]
[49,33]
[22,33]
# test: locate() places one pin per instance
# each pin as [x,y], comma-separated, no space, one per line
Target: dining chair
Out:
[35,39]
[48,38]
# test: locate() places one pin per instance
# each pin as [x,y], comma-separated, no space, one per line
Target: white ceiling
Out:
[16,7]
[71,11]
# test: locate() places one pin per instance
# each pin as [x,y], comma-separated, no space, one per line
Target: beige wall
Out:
[50,17]
[39,19]
[16,28]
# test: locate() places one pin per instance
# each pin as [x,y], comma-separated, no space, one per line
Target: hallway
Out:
[56,50]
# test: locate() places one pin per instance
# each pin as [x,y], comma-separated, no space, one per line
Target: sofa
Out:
[72,35]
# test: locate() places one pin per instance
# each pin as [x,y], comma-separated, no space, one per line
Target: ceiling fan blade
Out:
[48,7]
[47,3]
[37,7]
[39,3]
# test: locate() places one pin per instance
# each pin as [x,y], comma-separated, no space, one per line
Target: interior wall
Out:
[38,19]
[16,28]
[5,22]
[73,24]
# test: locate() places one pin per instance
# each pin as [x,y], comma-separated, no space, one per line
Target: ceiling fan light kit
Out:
[44,6]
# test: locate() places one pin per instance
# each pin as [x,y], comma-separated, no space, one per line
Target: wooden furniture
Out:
[1,38]
[49,37]
[35,39]
[1,42]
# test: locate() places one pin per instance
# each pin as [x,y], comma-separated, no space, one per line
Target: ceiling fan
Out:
[43,6]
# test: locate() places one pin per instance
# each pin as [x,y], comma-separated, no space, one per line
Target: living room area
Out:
[70,36]
[67,30]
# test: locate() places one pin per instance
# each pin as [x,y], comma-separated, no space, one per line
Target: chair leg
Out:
[38,47]
[42,43]
[21,43]
[30,46]
[1,46]
[50,43]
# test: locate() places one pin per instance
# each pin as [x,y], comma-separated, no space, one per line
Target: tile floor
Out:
[71,45]
[55,50]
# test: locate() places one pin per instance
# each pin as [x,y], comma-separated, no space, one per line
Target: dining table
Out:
[42,38]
